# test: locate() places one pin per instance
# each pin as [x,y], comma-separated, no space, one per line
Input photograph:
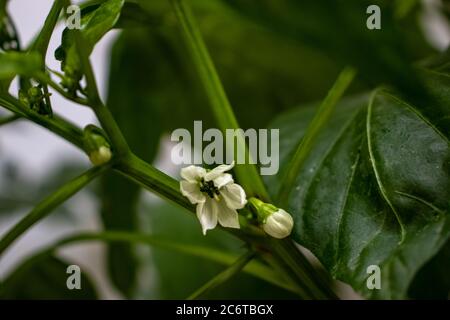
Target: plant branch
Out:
[103,114]
[224,276]
[247,174]
[41,43]
[47,205]
[320,119]
[297,266]
[6,120]
[44,78]
[154,180]
[56,124]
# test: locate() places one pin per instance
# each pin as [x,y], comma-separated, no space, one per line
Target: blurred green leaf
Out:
[17,63]
[263,74]
[44,276]
[338,29]
[375,189]
[19,192]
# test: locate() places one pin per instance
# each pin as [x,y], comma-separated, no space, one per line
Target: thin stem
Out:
[102,112]
[56,124]
[9,119]
[43,39]
[247,174]
[154,180]
[321,118]
[44,78]
[288,255]
[47,205]
[224,276]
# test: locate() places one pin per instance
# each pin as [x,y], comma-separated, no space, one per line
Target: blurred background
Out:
[147,69]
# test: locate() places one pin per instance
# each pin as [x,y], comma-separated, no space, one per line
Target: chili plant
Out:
[364,174]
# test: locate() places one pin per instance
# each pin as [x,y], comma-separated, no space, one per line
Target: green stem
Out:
[224,276]
[44,78]
[103,114]
[320,119]
[43,39]
[56,124]
[47,205]
[247,174]
[154,180]
[9,119]
[290,258]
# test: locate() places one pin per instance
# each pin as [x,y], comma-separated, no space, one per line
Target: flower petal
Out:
[193,173]
[207,214]
[234,196]
[227,217]
[191,190]
[223,180]
[217,171]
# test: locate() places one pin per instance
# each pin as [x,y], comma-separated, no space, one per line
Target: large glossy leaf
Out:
[375,189]
[44,277]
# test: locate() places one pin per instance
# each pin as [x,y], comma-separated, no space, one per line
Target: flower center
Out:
[209,188]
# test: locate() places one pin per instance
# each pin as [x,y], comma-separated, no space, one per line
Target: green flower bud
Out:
[100,156]
[35,92]
[279,224]
[275,222]
[96,145]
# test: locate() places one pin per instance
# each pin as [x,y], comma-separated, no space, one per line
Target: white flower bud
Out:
[100,156]
[279,224]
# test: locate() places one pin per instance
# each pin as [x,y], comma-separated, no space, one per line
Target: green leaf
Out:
[15,63]
[44,277]
[94,25]
[375,188]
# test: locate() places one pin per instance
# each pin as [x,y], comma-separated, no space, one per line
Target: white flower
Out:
[216,195]
[279,224]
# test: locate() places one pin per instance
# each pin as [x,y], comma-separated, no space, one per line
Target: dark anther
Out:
[209,188]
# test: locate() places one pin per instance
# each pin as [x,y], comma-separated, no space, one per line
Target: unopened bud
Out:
[100,156]
[96,145]
[275,222]
[279,224]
